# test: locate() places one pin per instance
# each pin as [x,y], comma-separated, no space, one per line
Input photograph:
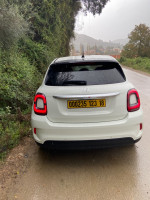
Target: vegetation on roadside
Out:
[136,53]
[142,64]
[32,34]
[12,128]
[139,43]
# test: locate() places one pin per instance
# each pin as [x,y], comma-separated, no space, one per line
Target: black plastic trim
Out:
[88,144]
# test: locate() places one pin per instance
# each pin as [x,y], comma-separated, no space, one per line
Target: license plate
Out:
[92,103]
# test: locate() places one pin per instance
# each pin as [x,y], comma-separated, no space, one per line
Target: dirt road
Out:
[108,174]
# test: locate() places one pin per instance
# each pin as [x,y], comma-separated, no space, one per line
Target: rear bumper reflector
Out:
[141,126]
[34,130]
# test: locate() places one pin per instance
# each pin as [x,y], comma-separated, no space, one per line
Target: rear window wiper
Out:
[75,82]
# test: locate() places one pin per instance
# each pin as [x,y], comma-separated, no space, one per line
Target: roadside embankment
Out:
[142,64]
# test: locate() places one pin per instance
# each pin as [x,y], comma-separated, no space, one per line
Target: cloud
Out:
[117,20]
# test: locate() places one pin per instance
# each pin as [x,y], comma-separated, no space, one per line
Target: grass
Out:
[12,129]
[142,64]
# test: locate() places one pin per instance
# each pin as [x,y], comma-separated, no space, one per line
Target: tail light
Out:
[40,105]
[133,100]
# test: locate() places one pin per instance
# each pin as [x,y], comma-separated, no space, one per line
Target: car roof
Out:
[86,58]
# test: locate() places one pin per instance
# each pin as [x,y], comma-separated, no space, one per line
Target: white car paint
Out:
[63,124]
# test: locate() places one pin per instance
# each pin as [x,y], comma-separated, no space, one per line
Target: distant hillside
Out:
[121,41]
[81,39]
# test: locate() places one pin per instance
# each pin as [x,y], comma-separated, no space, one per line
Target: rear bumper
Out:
[88,144]
[63,132]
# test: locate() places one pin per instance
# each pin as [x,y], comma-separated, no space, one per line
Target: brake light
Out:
[133,100]
[40,105]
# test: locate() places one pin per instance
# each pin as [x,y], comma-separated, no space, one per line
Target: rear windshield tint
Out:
[84,74]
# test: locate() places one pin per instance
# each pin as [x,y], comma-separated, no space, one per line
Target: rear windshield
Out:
[84,74]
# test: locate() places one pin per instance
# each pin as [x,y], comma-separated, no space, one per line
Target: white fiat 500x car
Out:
[86,102]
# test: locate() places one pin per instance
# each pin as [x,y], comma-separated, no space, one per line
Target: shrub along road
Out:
[118,173]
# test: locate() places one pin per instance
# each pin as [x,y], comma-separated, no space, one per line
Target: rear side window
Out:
[68,74]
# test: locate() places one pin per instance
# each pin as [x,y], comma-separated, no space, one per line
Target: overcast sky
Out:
[116,21]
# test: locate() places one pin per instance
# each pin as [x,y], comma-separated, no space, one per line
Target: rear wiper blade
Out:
[75,82]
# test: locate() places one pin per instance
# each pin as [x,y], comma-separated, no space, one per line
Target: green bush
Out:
[138,63]
[38,54]
[12,25]
[12,129]
[18,80]
[122,59]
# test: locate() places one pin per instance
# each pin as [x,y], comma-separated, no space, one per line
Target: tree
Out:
[139,42]
[12,25]
[94,6]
